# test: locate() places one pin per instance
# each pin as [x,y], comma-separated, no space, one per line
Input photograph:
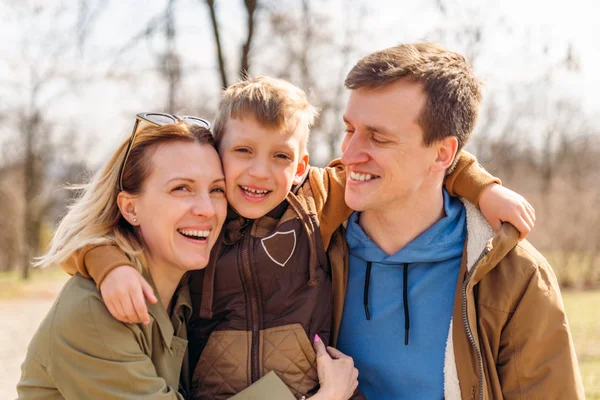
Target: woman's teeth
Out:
[195,234]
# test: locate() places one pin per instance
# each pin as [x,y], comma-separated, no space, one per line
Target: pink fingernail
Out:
[317,338]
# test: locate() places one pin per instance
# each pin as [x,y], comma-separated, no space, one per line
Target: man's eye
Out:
[378,141]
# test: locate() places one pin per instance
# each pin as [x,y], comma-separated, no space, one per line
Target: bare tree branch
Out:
[215,25]
[245,63]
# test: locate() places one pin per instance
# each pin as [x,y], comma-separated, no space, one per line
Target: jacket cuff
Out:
[101,260]
[469,179]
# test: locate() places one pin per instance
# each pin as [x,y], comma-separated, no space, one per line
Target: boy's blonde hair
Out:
[274,103]
[94,218]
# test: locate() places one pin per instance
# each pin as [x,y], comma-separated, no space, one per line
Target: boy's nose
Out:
[259,169]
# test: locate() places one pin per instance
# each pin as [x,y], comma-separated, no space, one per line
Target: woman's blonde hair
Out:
[94,217]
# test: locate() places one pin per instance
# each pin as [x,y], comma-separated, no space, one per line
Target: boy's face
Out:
[260,165]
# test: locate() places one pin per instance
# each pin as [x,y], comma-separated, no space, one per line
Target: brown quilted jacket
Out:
[268,289]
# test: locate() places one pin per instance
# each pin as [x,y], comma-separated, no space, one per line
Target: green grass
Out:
[583,311]
[42,283]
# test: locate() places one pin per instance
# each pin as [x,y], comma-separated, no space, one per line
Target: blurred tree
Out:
[250,8]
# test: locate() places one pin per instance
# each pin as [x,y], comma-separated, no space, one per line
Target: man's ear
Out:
[445,153]
[126,203]
[301,169]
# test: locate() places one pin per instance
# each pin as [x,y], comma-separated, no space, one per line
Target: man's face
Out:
[386,161]
[260,165]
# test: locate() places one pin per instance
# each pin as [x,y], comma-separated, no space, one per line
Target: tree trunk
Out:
[245,62]
[220,58]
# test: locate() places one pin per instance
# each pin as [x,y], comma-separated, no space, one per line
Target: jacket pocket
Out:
[223,368]
[288,351]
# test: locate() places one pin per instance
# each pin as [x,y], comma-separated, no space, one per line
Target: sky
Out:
[522,41]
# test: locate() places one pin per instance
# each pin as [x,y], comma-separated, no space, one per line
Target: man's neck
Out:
[396,226]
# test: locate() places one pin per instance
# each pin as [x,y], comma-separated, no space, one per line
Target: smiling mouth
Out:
[199,235]
[355,176]
[256,193]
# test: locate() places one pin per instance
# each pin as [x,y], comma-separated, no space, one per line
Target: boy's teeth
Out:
[355,176]
[194,233]
[254,192]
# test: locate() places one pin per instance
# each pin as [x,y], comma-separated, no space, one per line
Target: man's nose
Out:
[354,150]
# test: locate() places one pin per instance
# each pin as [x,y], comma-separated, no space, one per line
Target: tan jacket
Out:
[509,337]
[81,352]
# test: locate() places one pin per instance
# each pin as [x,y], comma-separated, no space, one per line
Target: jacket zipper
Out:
[253,298]
[466,322]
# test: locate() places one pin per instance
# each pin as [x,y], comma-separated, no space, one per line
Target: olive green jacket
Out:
[81,352]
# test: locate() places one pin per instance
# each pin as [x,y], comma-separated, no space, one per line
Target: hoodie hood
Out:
[443,241]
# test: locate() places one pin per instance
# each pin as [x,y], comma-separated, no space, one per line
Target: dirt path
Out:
[20,318]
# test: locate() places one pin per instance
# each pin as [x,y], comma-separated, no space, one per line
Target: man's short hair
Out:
[453,92]
[274,103]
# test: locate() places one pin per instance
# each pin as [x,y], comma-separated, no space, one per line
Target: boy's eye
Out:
[242,150]
[283,156]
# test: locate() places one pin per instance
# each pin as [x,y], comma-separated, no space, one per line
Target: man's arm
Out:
[537,358]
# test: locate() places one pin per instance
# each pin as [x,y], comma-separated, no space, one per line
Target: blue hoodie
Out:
[399,351]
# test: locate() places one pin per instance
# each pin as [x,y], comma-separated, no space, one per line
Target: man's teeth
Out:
[355,176]
[254,192]
[194,233]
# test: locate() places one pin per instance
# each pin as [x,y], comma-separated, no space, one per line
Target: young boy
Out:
[280,269]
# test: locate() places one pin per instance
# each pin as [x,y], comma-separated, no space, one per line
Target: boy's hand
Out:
[123,291]
[499,204]
[337,376]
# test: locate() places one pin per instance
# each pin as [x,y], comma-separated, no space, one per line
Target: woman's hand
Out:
[337,376]
[123,291]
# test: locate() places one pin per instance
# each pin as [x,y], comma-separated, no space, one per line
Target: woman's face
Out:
[182,206]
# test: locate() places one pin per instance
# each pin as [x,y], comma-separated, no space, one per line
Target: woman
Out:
[165,210]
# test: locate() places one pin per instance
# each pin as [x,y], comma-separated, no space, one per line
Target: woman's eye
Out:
[242,150]
[217,190]
[181,188]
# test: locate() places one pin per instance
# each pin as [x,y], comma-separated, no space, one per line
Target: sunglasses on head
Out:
[157,119]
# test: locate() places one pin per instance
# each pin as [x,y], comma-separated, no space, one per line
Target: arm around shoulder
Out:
[96,261]
[469,178]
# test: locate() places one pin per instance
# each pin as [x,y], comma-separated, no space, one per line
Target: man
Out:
[437,306]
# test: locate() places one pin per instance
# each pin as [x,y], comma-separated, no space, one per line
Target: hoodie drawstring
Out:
[404,296]
[405,300]
[366,294]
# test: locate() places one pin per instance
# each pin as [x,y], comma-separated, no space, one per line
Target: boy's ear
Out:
[301,169]
[445,152]
[126,204]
